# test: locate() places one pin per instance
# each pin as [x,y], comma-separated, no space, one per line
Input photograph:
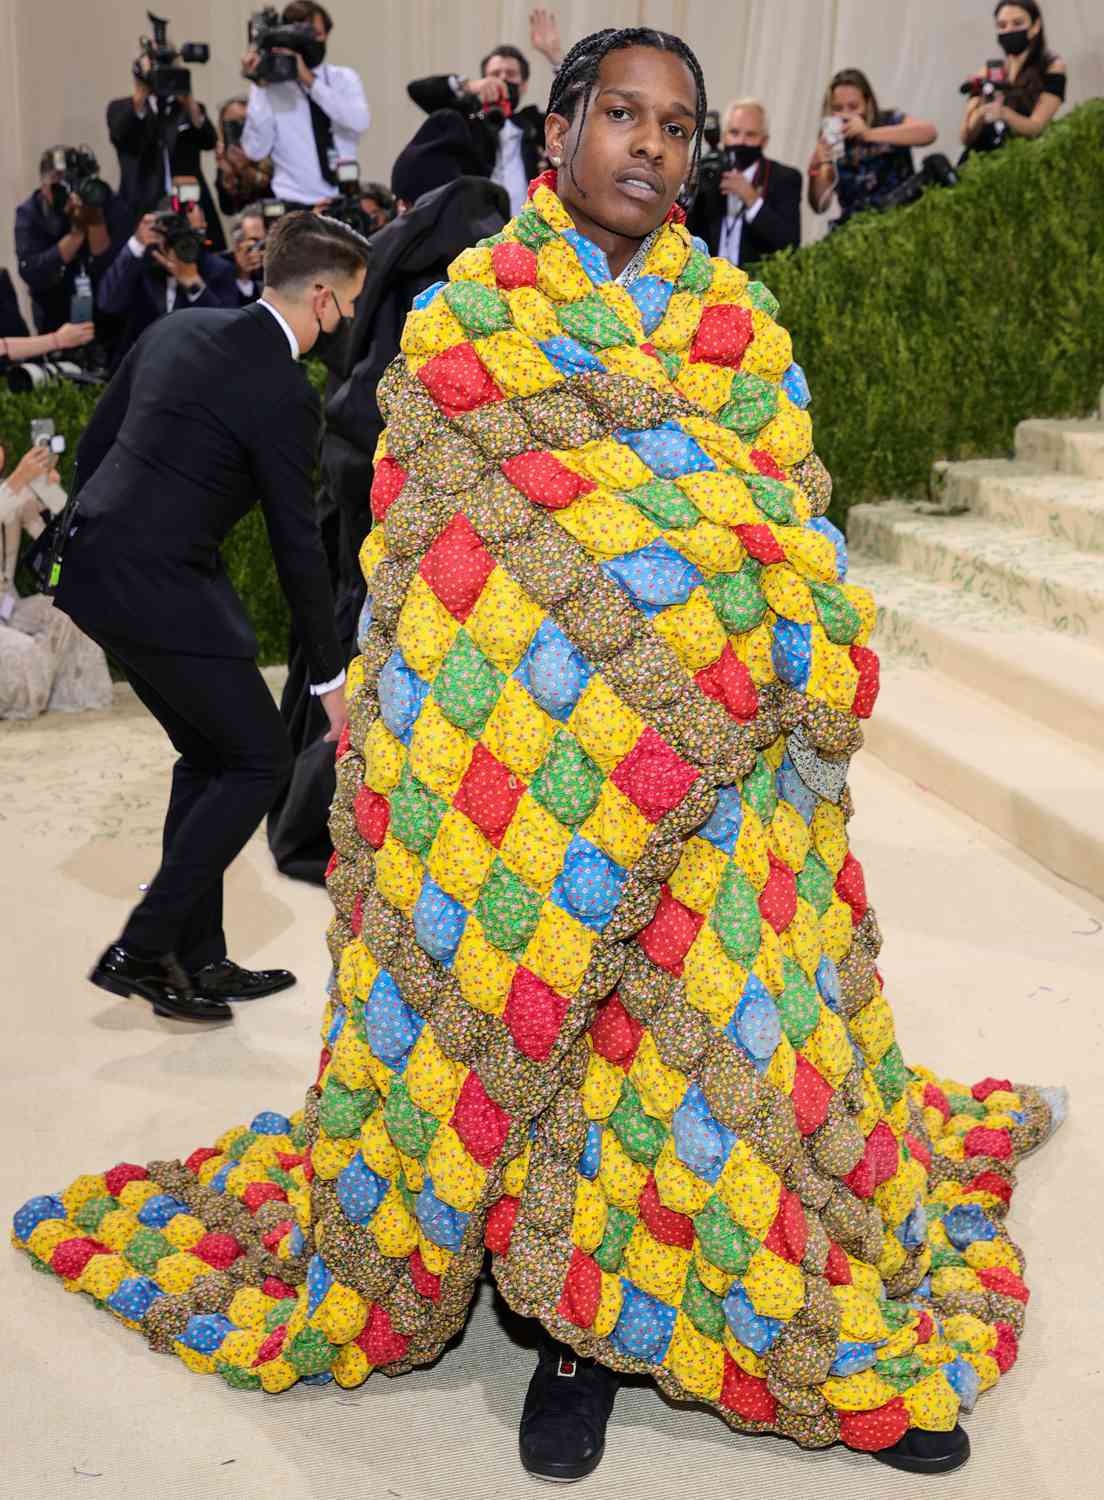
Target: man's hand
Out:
[147,232]
[735,182]
[73,335]
[486,90]
[544,34]
[185,272]
[36,463]
[249,63]
[855,128]
[337,713]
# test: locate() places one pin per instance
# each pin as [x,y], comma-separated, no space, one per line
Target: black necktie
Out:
[322,126]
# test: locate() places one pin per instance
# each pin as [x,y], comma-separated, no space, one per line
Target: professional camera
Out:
[78,167]
[712,168]
[178,236]
[33,374]
[346,207]
[935,171]
[163,78]
[984,85]
[495,114]
[267,33]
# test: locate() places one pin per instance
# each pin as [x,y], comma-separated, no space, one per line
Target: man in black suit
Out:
[754,207]
[206,414]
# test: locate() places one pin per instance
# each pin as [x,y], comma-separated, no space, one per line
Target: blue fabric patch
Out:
[218,1181]
[156,1212]
[824,527]
[651,295]
[134,1297]
[655,577]
[964,1380]
[589,884]
[913,1231]
[360,1191]
[401,695]
[667,450]
[792,652]
[793,790]
[752,1330]
[204,1332]
[553,671]
[319,1281]
[322,1378]
[337,1025]
[796,386]
[702,1143]
[966,1224]
[438,922]
[364,623]
[443,1225]
[853,1357]
[699,244]
[592,260]
[569,356]
[645,1326]
[392,1027]
[591,1159]
[827,980]
[34,1212]
[423,299]
[268,1122]
[755,1025]
[726,819]
[296,1240]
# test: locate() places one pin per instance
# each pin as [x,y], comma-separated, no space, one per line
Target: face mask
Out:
[331,345]
[1013,42]
[743,157]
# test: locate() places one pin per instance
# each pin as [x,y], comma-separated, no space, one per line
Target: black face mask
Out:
[739,158]
[1013,43]
[332,345]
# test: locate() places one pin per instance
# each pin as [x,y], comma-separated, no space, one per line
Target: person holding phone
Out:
[754,207]
[863,152]
[1029,82]
[240,181]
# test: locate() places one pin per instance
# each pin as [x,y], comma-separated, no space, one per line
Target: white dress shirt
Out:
[509,168]
[317,688]
[736,216]
[278,124]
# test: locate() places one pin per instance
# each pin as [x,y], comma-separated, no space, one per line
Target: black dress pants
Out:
[235,758]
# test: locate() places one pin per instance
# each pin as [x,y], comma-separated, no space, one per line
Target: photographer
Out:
[63,243]
[509,139]
[377,206]
[246,254]
[863,152]
[310,122]
[1034,85]
[157,139]
[747,205]
[240,182]
[165,266]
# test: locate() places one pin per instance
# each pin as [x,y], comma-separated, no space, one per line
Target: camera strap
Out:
[322,126]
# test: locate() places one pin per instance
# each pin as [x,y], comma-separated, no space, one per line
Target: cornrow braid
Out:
[578,73]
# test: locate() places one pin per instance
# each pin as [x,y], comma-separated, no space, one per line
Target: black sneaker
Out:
[920,1452]
[563,1423]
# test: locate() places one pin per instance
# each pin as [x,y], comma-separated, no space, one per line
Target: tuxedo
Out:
[136,292]
[207,414]
[141,143]
[777,221]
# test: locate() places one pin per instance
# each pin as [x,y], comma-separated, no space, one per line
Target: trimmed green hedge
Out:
[926,333]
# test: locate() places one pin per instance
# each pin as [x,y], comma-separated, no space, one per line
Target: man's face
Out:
[506,68]
[253,229]
[319,27]
[373,212]
[335,299]
[49,181]
[745,128]
[233,112]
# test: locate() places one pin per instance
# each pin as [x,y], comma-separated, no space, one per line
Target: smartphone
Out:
[44,434]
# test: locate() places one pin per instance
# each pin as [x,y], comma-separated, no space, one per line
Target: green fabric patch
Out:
[839,618]
[798,1004]
[92,1212]
[145,1248]
[892,1076]
[945,1257]
[507,909]
[299,1136]
[594,323]
[568,782]
[735,916]
[416,813]
[752,404]
[894,1314]
[481,310]
[641,1135]
[467,686]
[815,884]
[703,1307]
[664,504]
[310,1352]
[239,1379]
[697,274]
[531,229]
[724,1242]
[759,792]
[342,1111]
[412,1129]
[966,1104]
[762,299]
[773,498]
[737,598]
[670,362]
[902,1372]
[237,1148]
[279,1313]
[619,1228]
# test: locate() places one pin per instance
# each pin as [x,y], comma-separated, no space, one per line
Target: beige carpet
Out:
[993,966]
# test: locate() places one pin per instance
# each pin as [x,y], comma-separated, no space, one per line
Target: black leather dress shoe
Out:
[563,1422]
[159,980]
[921,1452]
[228,981]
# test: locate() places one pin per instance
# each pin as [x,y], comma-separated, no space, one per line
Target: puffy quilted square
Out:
[589,884]
[456,567]
[533,1014]
[544,480]
[518,732]
[617,826]
[653,777]
[458,380]
[559,949]
[568,782]
[667,450]
[461,858]
[489,794]
[655,577]
[553,671]
[668,936]
[645,1325]
[401,693]
[723,334]
[438,921]
[534,844]
[467,685]
[503,621]
[507,910]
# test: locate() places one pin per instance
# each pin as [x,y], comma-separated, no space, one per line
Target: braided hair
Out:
[578,73]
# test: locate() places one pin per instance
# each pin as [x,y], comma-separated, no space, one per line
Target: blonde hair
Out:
[736,104]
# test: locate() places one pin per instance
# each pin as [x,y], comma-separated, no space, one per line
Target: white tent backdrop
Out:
[62,60]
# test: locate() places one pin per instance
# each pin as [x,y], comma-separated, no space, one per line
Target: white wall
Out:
[62,60]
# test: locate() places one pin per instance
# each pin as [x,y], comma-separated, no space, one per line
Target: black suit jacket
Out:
[777,225]
[207,414]
[138,143]
[51,282]
[133,292]
[435,93]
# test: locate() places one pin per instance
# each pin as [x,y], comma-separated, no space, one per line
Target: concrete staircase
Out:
[991,634]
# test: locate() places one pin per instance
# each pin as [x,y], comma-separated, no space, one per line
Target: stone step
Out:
[1055,680]
[1070,447]
[1039,577]
[1025,497]
[1036,789]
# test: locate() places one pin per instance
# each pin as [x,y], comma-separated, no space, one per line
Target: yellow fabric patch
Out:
[802,938]
[175,1273]
[601,1087]
[660,1087]
[617,826]
[209,1168]
[861,1392]
[606,728]
[518,732]
[707,386]
[669,253]
[679,324]
[751,851]
[709,547]
[696,1361]
[932,1403]
[103,1274]
[679,1188]
[413,1173]
[775,1286]
[741,1355]
[354,677]
[531,313]
[627,359]
[622,1179]
[439,753]
[513,1178]
[588,1223]
[329,1157]
[432,1079]
[862,600]
[754,650]
[437,1260]
[82,1189]
[697,875]
[723,498]
[241,1347]
[559,950]
[963,1328]
[711,1276]
[770,352]
[605,525]
[833,676]
[372,552]
[461,858]
[787,594]
[356,974]
[341,1314]
[277,1375]
[482,971]
[535,844]
[350,1368]
[473,264]
[692,630]
[768,961]
[503,621]
[383,758]
[609,1305]
[46,1236]
[659,1270]
[351,1063]
[608,462]
[425,630]
[517,366]
[199,1364]
[790,836]
[892,1258]
[872,1028]
[458,1179]
[431,330]
[248,1308]
[724,447]
[750,1190]
[828,1048]
[117,1228]
[728,284]
[559,274]
[982,1255]
[617,297]
[830,836]
[183,1231]
[836,929]
[376,1146]
[782,1068]
[398,874]
[788,437]
[808,553]
[713,982]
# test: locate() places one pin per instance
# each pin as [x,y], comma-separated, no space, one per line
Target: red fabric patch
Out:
[778,898]
[661,1222]
[272,1286]
[71,1256]
[729,681]
[1005,1281]
[837,1270]
[789,1233]
[868,667]
[457,566]
[342,746]
[372,813]
[218,1250]
[489,794]
[925,1327]
[761,543]
[766,464]
[851,887]
[480,1123]
[356,916]
[272,1238]
[653,777]
[987,1086]
[116,1179]
[514,265]
[616,1034]
[378,1341]
[871,1431]
[810,1095]
[323,1063]
[500,1225]
[878,1164]
[387,480]
[332,865]
[990,1182]
[289,1159]
[425,1283]
[745,1395]
[458,380]
[582,1290]
[262,1192]
[723,334]
[272,1345]
[199,1156]
[1006,1348]
[919,1151]
[534,1013]
[545,481]
[981,1141]
[667,937]
[935,1098]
